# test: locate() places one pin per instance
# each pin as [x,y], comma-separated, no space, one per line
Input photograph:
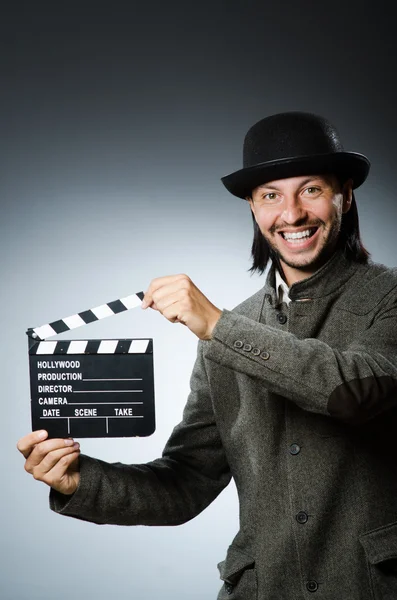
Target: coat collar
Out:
[326,280]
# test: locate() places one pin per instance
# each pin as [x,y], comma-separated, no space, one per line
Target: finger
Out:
[43,448]
[56,475]
[175,293]
[181,292]
[175,313]
[158,283]
[51,459]
[26,444]
[168,301]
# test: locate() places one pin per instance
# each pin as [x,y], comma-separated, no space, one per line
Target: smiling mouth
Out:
[298,236]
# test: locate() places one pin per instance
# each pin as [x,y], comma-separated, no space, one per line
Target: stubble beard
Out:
[327,247]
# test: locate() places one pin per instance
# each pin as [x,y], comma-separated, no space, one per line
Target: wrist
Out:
[214,321]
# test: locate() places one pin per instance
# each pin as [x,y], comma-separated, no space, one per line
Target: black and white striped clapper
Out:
[91,388]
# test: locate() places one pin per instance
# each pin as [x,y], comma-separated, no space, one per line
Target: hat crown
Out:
[290,134]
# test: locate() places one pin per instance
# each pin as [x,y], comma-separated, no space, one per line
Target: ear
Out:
[347,191]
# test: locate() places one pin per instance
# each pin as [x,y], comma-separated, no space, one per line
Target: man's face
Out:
[300,218]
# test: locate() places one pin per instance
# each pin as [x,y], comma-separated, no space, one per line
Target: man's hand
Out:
[180,301]
[55,461]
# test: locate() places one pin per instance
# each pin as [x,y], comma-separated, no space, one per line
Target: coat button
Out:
[265,355]
[302,517]
[281,318]
[238,344]
[256,351]
[294,449]
[229,588]
[312,586]
[247,347]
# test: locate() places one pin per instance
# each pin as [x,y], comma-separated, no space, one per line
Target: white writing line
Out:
[119,417]
[104,379]
[100,403]
[104,391]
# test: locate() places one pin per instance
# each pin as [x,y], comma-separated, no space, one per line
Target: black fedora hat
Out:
[291,144]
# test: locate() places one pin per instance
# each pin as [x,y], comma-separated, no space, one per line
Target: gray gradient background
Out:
[117,121]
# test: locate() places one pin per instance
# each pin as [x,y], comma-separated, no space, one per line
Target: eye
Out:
[270,198]
[312,190]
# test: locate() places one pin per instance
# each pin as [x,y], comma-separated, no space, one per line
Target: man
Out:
[293,393]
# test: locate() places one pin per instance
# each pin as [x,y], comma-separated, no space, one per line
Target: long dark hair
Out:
[349,241]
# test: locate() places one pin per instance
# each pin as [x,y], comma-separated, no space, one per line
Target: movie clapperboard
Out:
[91,388]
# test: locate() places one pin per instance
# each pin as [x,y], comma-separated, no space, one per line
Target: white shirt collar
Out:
[281,289]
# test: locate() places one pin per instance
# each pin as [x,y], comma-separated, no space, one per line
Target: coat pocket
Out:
[380,546]
[239,576]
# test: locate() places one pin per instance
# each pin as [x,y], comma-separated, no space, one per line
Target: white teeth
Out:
[296,235]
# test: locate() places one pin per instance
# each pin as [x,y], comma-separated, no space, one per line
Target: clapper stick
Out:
[91,388]
[85,317]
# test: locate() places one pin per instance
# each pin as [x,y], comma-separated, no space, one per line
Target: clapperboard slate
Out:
[91,388]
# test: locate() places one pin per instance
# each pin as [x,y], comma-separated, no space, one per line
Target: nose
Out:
[293,209]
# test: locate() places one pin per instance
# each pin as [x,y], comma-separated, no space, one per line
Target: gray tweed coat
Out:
[298,404]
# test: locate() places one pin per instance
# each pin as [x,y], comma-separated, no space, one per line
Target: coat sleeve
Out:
[353,385]
[167,491]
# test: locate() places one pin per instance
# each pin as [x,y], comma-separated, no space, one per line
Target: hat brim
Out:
[348,165]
